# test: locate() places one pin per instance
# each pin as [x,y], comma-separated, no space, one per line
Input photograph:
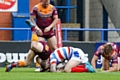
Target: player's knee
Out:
[52,70]
[67,70]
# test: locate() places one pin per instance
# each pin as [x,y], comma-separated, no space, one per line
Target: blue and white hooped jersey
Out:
[66,53]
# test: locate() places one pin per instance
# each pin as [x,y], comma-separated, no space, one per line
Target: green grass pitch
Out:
[30,74]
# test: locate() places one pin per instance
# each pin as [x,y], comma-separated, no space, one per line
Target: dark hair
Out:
[107,49]
[43,66]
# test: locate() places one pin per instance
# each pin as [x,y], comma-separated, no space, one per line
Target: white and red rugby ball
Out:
[7,4]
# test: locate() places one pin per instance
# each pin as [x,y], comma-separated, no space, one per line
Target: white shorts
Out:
[79,55]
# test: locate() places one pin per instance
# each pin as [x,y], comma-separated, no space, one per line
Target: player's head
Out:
[45,65]
[107,49]
[45,3]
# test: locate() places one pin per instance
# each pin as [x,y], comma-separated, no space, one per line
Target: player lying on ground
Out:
[37,48]
[74,56]
[109,51]
[76,60]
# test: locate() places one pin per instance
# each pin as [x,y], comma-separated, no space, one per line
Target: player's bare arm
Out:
[32,20]
[114,68]
[55,17]
[39,32]
[93,62]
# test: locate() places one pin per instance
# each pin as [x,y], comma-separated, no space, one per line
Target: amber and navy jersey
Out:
[44,16]
[66,53]
[115,52]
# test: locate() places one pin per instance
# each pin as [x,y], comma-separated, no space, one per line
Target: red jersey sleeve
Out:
[34,11]
[55,11]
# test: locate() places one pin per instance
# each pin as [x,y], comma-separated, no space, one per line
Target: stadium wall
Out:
[6,22]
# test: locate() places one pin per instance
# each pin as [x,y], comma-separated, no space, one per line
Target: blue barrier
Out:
[88,29]
[65,7]
[69,29]
[20,29]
